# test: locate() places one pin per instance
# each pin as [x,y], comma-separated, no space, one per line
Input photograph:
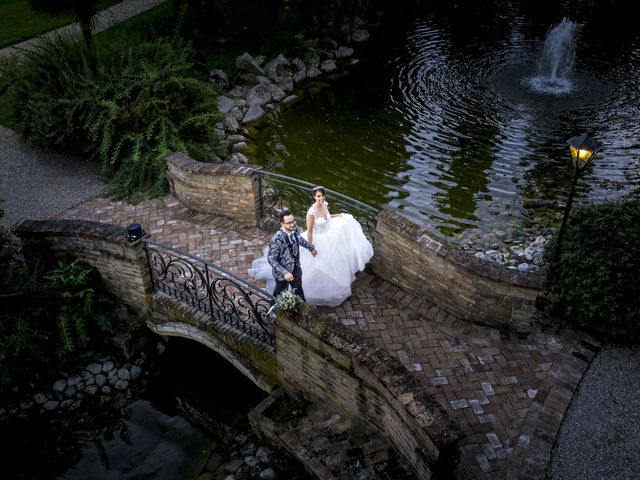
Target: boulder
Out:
[299,70]
[254,114]
[277,94]
[313,72]
[74,380]
[123,374]
[286,84]
[239,158]
[239,91]
[108,366]
[360,35]
[328,66]
[100,380]
[247,63]
[220,79]
[94,368]
[51,405]
[121,384]
[60,386]
[278,68]
[344,52]
[225,104]
[258,95]
[230,124]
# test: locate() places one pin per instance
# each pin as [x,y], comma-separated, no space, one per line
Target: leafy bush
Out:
[46,321]
[127,102]
[596,278]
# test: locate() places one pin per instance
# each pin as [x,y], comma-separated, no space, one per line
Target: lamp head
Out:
[583,149]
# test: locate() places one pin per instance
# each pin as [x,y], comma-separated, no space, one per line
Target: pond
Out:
[442,121]
[190,405]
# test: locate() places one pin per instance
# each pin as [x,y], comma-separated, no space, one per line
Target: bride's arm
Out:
[310,221]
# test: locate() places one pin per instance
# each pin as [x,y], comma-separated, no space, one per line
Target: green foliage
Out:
[596,277]
[128,102]
[47,321]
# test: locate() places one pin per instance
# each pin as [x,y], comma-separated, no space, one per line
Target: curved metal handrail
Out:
[212,289]
[278,192]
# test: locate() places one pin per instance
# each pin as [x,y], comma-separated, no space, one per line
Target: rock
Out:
[108,366]
[26,404]
[263,454]
[277,94]
[89,381]
[233,465]
[240,146]
[51,405]
[344,52]
[121,384]
[135,372]
[70,392]
[66,403]
[239,91]
[311,59]
[328,66]
[523,266]
[123,374]
[79,387]
[258,95]
[75,405]
[236,138]
[225,104]
[60,386]
[253,115]
[360,35]
[299,70]
[94,368]
[313,72]
[91,389]
[86,375]
[40,398]
[268,474]
[251,460]
[219,78]
[230,124]
[278,68]
[290,99]
[247,63]
[239,158]
[73,380]
[106,389]
[100,380]
[286,84]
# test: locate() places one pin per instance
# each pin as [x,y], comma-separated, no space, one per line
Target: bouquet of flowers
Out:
[288,301]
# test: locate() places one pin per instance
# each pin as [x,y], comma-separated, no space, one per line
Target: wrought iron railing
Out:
[279,192]
[211,289]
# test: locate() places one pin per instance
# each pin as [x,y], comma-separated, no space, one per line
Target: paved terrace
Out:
[509,394]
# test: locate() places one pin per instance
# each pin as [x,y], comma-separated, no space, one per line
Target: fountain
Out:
[555,65]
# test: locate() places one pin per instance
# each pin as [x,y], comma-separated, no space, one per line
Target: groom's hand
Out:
[314,252]
[288,277]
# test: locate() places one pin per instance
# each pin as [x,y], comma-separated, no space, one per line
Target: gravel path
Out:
[599,436]
[37,183]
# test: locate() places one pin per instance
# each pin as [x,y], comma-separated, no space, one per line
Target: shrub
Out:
[127,102]
[46,321]
[596,278]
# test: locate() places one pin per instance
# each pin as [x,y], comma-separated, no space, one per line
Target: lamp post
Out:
[583,150]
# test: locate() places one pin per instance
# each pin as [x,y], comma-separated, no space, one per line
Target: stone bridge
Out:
[455,357]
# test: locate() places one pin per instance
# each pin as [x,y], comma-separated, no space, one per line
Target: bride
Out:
[342,249]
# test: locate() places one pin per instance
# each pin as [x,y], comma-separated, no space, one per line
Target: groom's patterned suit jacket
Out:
[282,258]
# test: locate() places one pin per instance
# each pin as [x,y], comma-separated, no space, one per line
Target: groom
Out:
[284,255]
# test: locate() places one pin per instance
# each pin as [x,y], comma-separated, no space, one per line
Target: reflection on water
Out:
[152,445]
[189,400]
[441,126]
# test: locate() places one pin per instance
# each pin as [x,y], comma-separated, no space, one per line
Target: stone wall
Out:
[326,362]
[220,188]
[475,290]
[121,263]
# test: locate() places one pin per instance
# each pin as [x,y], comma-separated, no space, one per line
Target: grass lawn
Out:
[19,22]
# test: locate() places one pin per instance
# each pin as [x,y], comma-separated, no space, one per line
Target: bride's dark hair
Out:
[317,189]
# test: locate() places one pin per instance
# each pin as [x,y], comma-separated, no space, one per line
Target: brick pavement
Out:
[508,393]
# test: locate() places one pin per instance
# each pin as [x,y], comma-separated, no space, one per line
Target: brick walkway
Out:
[508,393]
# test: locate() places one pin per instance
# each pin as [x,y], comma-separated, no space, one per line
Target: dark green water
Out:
[439,122]
[165,431]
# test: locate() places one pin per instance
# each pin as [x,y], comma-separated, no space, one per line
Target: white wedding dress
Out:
[343,250]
